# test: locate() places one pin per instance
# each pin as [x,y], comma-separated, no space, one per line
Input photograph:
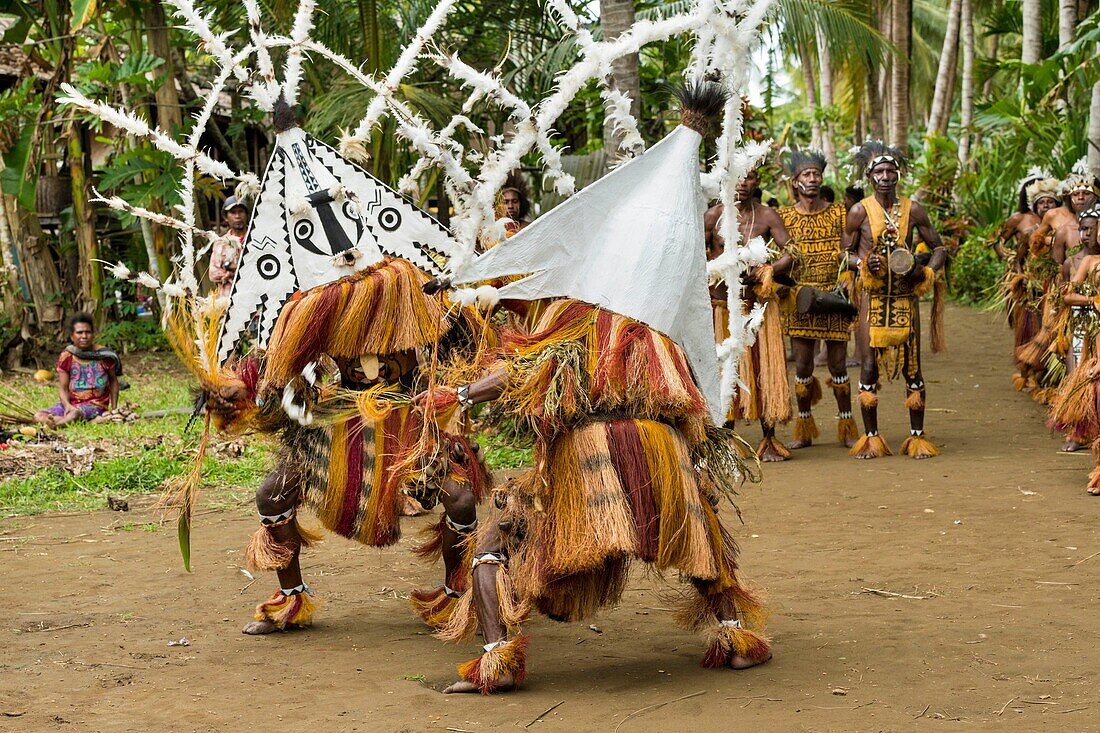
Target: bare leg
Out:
[276,500]
[804,371]
[490,556]
[838,369]
[771,450]
[460,511]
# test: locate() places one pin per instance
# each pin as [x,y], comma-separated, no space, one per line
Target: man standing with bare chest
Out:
[764,365]
[881,245]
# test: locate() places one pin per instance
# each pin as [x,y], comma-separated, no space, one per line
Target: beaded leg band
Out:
[266,552]
[807,387]
[868,395]
[288,607]
[805,428]
[915,398]
[846,429]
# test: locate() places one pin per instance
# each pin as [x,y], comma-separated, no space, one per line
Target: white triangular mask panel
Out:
[319,218]
[631,242]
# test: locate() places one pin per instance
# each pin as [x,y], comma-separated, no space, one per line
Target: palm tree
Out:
[616,17]
[967,18]
[901,37]
[1032,50]
[1067,22]
[945,79]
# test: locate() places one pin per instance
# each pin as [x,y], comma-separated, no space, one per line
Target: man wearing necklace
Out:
[817,228]
[764,365]
[881,247]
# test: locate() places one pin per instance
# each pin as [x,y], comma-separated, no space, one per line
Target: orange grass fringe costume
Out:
[628,467]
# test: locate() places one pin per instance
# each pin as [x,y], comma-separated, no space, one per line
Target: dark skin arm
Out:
[1007,231]
[778,234]
[112,387]
[1083,270]
[928,234]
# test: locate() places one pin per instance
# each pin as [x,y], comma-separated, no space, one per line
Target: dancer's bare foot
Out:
[506,684]
[1072,446]
[255,628]
[747,663]
[1095,491]
[770,455]
[799,444]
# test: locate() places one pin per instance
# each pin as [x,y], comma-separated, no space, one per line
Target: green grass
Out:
[502,453]
[131,458]
[137,457]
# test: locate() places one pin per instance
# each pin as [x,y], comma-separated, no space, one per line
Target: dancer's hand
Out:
[439,395]
[875,264]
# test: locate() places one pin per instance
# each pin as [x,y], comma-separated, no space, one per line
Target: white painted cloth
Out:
[632,242]
[318,218]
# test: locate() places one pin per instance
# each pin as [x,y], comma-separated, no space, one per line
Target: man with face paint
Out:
[1074,409]
[817,229]
[881,245]
[764,365]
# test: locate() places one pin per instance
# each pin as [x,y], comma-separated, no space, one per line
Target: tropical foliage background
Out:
[977,92]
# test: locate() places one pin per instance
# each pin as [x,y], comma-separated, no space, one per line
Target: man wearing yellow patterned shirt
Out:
[817,228]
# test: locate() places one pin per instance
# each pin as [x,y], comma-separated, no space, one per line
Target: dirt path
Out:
[993,541]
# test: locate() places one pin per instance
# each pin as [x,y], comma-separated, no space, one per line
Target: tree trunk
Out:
[940,114]
[876,128]
[1094,131]
[825,67]
[372,41]
[994,50]
[91,274]
[811,96]
[1032,48]
[38,268]
[1067,22]
[169,114]
[616,17]
[967,17]
[901,25]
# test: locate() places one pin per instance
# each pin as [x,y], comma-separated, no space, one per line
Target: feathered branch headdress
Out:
[873,152]
[1080,179]
[798,160]
[1045,188]
[1035,173]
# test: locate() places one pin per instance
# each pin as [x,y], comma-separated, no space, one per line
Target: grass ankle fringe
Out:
[868,399]
[507,659]
[431,549]
[727,642]
[434,607]
[379,310]
[915,400]
[918,446]
[870,446]
[771,445]
[1019,382]
[287,611]
[811,389]
[846,430]
[805,429]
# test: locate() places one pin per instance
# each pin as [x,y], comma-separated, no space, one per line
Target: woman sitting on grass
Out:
[87,377]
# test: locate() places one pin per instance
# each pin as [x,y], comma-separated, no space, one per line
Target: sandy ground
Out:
[990,546]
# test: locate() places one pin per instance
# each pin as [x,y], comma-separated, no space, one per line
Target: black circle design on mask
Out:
[389,219]
[269,267]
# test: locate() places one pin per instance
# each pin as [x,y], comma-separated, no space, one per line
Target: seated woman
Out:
[87,377]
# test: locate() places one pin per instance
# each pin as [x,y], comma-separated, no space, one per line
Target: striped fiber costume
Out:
[628,467]
[334,386]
